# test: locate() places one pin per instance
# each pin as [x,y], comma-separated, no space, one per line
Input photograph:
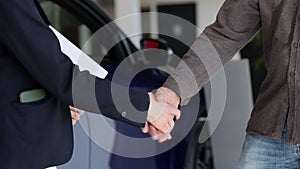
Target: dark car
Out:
[78,20]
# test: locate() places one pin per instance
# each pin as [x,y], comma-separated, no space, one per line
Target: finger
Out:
[78,111]
[166,128]
[151,95]
[73,115]
[169,136]
[74,122]
[71,108]
[171,124]
[146,128]
[169,96]
[156,109]
[176,113]
[160,96]
[158,135]
[163,139]
[154,133]
[163,124]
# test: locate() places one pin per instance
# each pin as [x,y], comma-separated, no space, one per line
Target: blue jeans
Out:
[265,153]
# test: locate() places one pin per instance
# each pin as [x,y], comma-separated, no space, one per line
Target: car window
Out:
[78,26]
[66,23]
[70,26]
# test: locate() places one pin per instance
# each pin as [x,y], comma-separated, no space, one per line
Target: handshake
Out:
[163,109]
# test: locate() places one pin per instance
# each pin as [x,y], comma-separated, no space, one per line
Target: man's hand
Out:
[161,114]
[156,134]
[75,114]
[171,98]
[168,96]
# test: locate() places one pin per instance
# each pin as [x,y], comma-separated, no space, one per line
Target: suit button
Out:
[291,74]
[123,114]
[295,44]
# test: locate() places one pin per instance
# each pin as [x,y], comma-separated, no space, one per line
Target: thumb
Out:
[146,128]
[175,112]
[156,108]
[151,96]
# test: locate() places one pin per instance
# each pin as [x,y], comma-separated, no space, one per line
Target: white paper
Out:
[78,57]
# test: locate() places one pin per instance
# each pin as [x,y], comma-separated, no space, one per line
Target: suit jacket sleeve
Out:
[29,39]
[237,22]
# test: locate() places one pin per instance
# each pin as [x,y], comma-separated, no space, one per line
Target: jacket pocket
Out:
[45,125]
[28,117]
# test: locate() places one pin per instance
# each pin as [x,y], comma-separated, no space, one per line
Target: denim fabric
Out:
[266,153]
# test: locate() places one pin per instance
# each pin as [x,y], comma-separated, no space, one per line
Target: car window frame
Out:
[94,17]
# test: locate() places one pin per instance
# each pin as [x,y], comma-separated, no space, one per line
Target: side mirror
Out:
[148,43]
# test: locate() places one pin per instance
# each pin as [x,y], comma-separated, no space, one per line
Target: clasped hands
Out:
[162,110]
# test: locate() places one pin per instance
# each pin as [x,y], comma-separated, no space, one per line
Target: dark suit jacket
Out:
[39,134]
